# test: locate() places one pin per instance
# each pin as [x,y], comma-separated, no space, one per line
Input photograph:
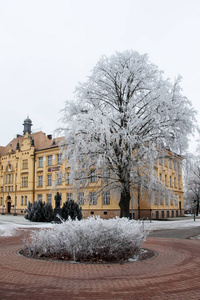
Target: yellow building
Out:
[31,163]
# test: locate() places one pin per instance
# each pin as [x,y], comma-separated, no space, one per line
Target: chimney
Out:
[49,136]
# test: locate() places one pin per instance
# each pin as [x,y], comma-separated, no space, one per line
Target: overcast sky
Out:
[48,46]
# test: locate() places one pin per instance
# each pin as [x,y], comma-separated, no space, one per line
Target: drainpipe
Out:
[15,195]
[34,176]
[3,194]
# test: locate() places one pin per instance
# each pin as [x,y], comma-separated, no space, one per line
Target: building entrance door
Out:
[8,207]
[180,207]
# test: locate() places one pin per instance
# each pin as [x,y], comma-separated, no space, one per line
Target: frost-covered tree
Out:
[192,185]
[121,121]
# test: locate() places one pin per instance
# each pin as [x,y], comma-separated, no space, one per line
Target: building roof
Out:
[41,141]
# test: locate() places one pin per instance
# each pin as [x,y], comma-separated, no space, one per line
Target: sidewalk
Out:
[173,274]
[19,219]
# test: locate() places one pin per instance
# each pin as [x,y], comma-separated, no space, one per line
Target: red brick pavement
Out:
[173,274]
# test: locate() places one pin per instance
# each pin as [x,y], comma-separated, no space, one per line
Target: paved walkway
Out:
[173,274]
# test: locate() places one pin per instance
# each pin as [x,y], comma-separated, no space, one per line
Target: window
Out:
[178,167]
[179,182]
[25,164]
[49,179]
[93,198]
[50,160]
[59,158]
[106,198]
[170,163]
[40,180]
[157,214]
[40,162]
[167,214]
[163,214]
[81,198]
[93,177]
[9,178]
[25,200]
[40,197]
[160,177]
[59,178]
[170,181]
[106,174]
[175,182]
[24,181]
[172,213]
[167,199]
[175,165]
[161,199]
[49,198]
[165,162]
[1,203]
[69,196]
[165,179]
[2,189]
[176,213]
[156,198]
[22,200]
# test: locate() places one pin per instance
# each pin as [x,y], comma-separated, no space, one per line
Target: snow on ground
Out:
[9,224]
[177,224]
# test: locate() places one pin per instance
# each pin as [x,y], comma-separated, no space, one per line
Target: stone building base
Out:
[156,214]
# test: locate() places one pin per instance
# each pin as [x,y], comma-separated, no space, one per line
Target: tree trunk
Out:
[197,208]
[124,204]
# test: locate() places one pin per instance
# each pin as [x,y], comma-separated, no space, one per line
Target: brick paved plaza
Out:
[173,274]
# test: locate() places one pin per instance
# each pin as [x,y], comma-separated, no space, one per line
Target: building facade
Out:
[31,170]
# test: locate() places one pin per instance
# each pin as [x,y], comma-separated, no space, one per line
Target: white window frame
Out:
[59,178]
[49,198]
[106,198]
[93,198]
[81,198]
[93,176]
[69,196]
[40,162]
[49,179]
[39,197]
[40,180]
[50,160]
[59,158]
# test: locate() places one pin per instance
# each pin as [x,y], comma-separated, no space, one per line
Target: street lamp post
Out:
[15,214]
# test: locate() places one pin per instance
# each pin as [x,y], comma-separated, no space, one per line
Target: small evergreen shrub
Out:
[71,210]
[92,239]
[39,212]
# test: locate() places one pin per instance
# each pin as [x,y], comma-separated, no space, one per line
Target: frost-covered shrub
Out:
[39,212]
[91,239]
[71,210]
